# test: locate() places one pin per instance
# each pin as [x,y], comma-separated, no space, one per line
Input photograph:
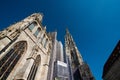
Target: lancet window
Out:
[37,32]
[8,62]
[46,42]
[42,38]
[34,68]
[31,26]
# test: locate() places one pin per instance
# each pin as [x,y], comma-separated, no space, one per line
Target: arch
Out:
[34,68]
[32,25]
[8,62]
[37,32]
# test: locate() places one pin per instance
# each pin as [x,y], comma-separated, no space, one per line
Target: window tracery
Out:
[8,62]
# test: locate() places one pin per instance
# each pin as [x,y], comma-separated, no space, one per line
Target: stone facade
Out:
[35,45]
[28,52]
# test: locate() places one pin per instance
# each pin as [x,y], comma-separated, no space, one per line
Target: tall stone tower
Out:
[78,69]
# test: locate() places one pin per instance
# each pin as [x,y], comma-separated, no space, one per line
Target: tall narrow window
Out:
[37,32]
[34,68]
[31,26]
[42,38]
[43,41]
[45,44]
[8,62]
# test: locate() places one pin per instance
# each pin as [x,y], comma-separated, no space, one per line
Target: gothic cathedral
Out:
[28,52]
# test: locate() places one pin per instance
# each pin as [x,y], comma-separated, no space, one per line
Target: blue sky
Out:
[94,24]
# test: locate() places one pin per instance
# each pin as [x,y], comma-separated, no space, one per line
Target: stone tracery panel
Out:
[8,62]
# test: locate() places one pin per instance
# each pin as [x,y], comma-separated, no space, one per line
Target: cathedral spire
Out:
[67,31]
[71,48]
[78,66]
[69,38]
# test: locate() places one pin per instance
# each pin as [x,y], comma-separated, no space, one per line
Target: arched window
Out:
[42,38]
[8,62]
[31,26]
[37,32]
[46,42]
[34,68]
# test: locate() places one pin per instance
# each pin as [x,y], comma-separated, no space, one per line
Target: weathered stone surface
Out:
[20,32]
[40,56]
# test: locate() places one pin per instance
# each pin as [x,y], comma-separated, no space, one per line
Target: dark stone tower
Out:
[78,69]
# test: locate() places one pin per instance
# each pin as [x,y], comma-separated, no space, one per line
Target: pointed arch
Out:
[34,68]
[8,62]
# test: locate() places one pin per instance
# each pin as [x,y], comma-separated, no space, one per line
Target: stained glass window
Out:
[8,62]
